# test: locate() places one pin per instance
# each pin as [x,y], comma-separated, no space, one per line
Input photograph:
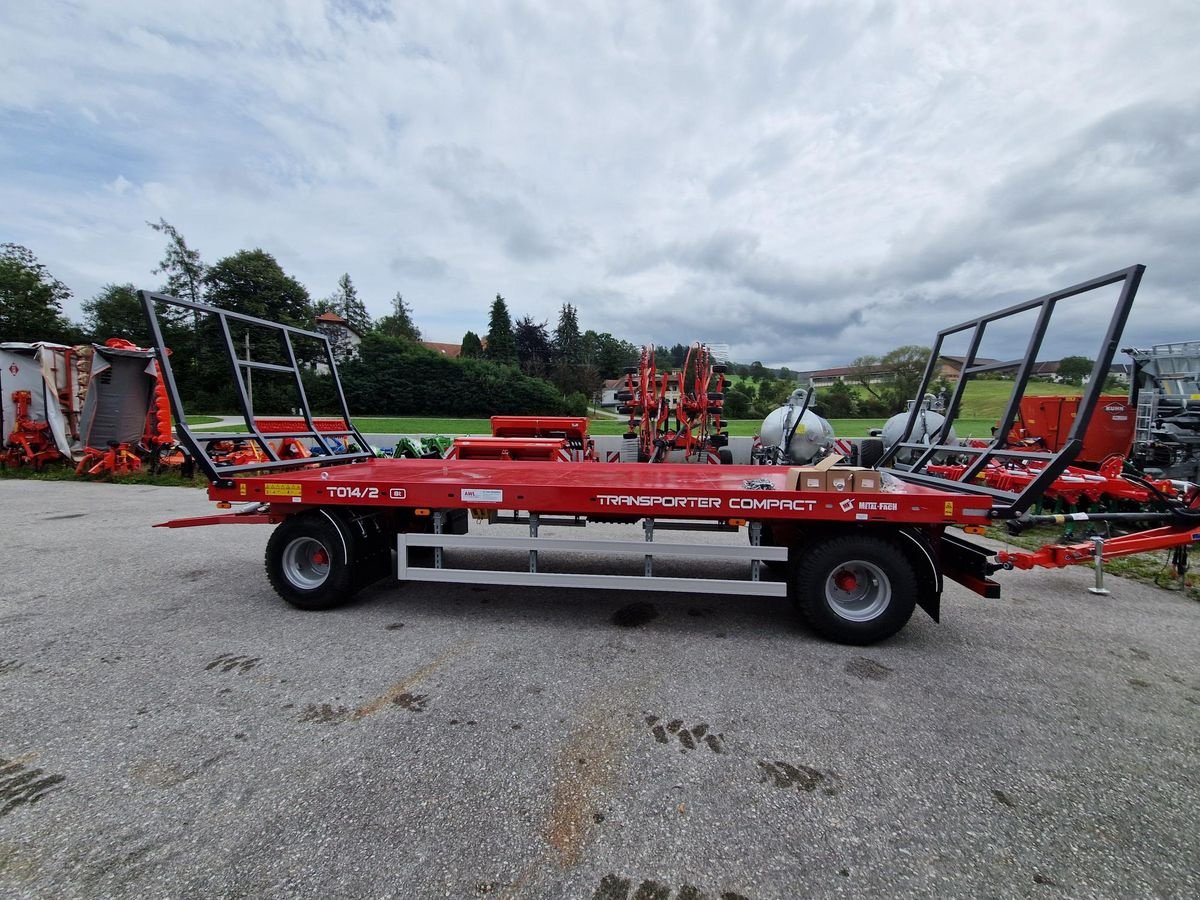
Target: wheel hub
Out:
[858,591]
[305,563]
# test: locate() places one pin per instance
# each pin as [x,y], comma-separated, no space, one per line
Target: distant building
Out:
[950,368]
[343,338]
[851,374]
[451,351]
[608,391]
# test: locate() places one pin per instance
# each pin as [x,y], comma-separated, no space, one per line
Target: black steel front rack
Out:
[1007,504]
[196,442]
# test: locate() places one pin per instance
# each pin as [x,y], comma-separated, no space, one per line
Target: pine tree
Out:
[568,343]
[533,346]
[472,347]
[399,323]
[346,303]
[501,346]
[182,265]
[570,375]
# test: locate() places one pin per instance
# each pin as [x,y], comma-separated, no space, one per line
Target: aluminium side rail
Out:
[239,367]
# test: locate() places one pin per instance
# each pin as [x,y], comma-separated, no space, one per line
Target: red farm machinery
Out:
[676,415]
[102,408]
[41,393]
[856,553]
[1135,453]
[546,438]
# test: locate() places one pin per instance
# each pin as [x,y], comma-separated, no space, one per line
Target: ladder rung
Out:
[266,367]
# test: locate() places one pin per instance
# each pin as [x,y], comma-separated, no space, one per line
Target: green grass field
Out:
[986,399]
[982,405]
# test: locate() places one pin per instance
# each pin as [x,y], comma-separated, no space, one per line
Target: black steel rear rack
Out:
[196,443]
[1006,504]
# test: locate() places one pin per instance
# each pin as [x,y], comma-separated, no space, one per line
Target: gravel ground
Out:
[169,728]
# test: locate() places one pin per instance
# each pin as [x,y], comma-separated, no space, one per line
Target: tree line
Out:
[515,368]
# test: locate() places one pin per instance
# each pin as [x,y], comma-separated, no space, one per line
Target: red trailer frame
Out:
[857,564]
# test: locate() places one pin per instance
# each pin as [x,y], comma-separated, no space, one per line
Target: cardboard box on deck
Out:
[811,478]
[827,475]
[868,481]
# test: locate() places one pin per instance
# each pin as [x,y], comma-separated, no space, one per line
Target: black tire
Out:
[630,435]
[624,395]
[870,452]
[715,396]
[625,410]
[719,369]
[854,588]
[726,456]
[631,370]
[309,560]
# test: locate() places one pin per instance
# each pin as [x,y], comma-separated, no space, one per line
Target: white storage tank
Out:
[925,429]
[811,436]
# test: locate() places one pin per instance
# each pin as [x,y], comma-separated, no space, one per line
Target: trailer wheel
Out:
[855,588]
[308,561]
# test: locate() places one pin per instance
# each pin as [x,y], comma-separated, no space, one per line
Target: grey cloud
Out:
[367,10]
[1126,184]
[467,177]
[766,158]
[807,182]
[417,265]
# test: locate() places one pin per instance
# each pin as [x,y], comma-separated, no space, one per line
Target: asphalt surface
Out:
[169,728]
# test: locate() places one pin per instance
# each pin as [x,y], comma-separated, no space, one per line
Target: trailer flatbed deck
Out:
[600,490]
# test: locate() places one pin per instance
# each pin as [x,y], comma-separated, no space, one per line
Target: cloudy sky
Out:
[806,182]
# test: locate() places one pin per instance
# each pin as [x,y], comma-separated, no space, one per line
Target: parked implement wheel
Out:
[726,456]
[308,561]
[870,452]
[854,588]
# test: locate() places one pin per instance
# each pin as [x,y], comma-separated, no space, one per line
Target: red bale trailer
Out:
[855,563]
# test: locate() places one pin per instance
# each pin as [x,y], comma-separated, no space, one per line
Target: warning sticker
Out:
[282,490]
[949,508]
[480,495]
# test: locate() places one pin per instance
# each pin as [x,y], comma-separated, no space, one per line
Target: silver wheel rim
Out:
[305,563]
[858,591]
